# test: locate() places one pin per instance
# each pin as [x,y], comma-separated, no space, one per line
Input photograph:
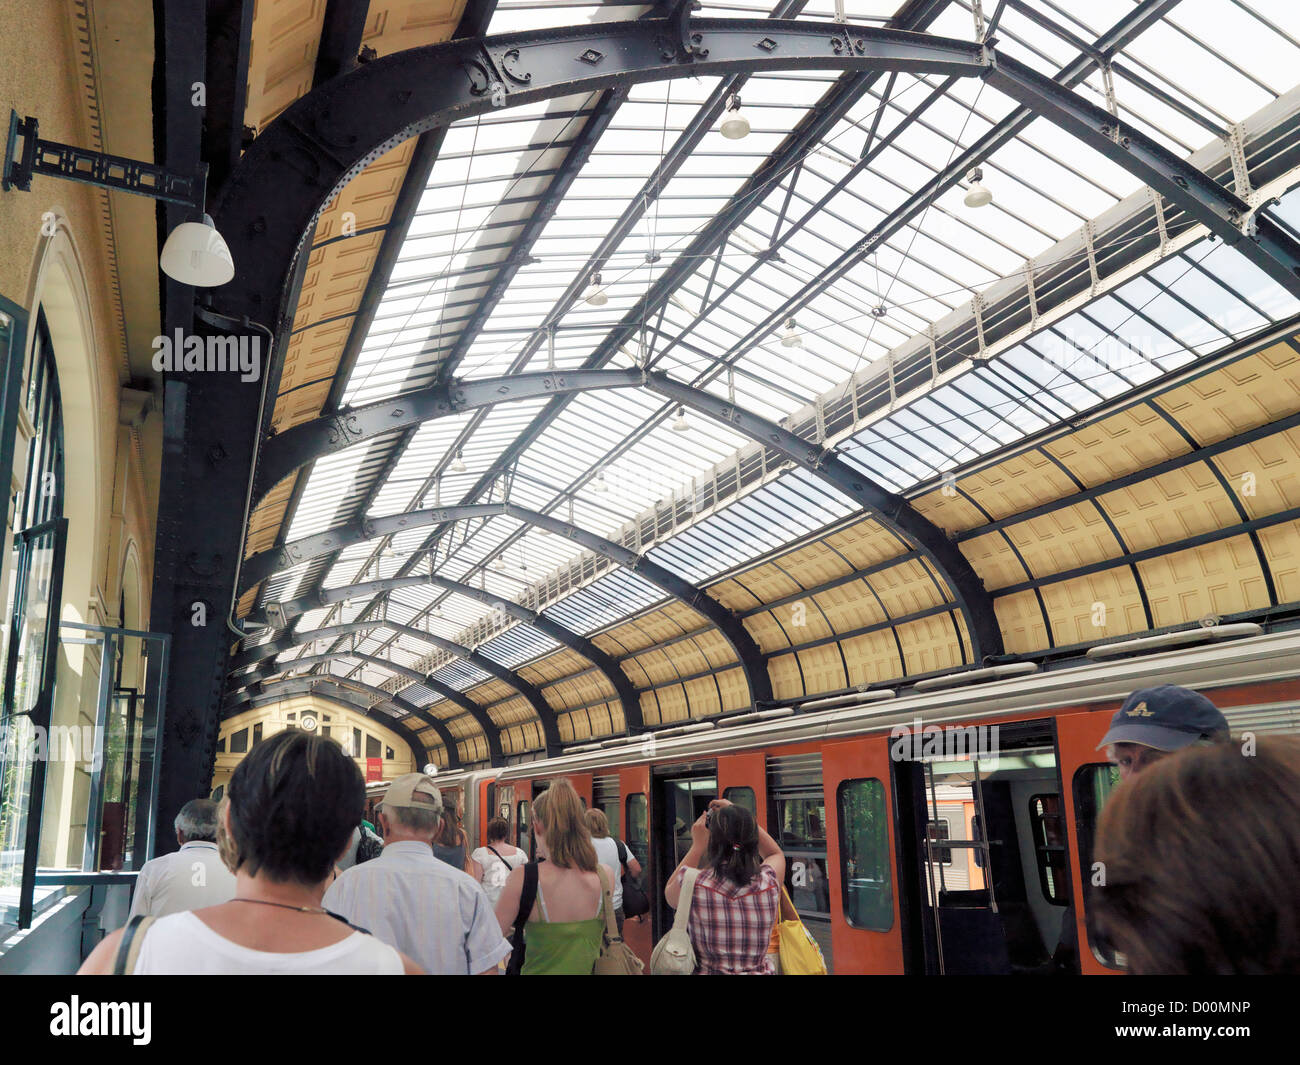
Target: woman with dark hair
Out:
[737,895]
[288,814]
[492,865]
[449,842]
[1201,858]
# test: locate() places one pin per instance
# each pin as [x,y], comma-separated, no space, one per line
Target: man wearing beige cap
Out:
[436,914]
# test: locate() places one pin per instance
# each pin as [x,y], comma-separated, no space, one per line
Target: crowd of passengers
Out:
[1198,848]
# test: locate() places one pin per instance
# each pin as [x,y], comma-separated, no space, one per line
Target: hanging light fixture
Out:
[978,196]
[458,464]
[600,485]
[680,424]
[735,126]
[790,337]
[595,296]
[498,564]
[196,254]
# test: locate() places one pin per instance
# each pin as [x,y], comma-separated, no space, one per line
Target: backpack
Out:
[674,955]
[635,901]
[369,847]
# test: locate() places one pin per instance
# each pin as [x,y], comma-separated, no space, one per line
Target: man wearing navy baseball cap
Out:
[1156,721]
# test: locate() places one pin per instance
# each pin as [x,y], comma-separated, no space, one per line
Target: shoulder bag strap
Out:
[611,925]
[499,858]
[787,911]
[684,900]
[622,852]
[128,950]
[527,896]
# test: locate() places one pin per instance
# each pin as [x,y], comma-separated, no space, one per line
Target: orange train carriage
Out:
[946,832]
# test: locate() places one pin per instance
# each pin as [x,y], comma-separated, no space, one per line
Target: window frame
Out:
[886,856]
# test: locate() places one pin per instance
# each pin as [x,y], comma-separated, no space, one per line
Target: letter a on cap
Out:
[1140,711]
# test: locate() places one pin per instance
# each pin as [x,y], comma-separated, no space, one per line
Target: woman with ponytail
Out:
[737,895]
[563,930]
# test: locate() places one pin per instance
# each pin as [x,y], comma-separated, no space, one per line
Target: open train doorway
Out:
[984,860]
[681,794]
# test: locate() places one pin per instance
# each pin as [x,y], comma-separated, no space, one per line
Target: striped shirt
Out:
[730,926]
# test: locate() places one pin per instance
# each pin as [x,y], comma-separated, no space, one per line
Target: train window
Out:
[257,733]
[865,882]
[239,741]
[801,832]
[638,836]
[522,823]
[1093,785]
[940,829]
[1049,846]
[742,797]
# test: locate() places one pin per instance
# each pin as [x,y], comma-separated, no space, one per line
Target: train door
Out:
[796,816]
[1089,780]
[865,924]
[681,793]
[988,875]
[634,788]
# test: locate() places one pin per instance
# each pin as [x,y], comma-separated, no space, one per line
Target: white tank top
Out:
[182,945]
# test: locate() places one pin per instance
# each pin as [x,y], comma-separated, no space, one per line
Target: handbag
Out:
[527,896]
[635,901]
[616,957]
[800,954]
[673,955]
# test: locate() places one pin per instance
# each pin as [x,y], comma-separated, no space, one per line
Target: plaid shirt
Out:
[730,926]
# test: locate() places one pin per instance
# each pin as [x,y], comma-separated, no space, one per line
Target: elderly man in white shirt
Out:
[190,878]
[436,914]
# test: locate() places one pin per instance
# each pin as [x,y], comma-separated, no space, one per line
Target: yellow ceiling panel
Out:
[769,583]
[367,201]
[649,708]
[714,646]
[787,681]
[767,633]
[1064,539]
[850,606]
[1265,475]
[1213,579]
[930,644]
[1176,505]
[672,703]
[735,689]
[993,560]
[731,594]
[560,663]
[335,279]
[866,544]
[823,669]
[281,56]
[264,522]
[1281,545]
[1095,607]
[490,691]
[702,694]
[1134,439]
[906,588]
[1249,392]
[1017,483]
[512,711]
[401,24]
[872,657]
[802,620]
[1021,622]
[952,513]
[815,564]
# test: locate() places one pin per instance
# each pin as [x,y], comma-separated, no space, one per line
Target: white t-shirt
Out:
[188,879]
[437,915]
[182,945]
[497,870]
[607,853]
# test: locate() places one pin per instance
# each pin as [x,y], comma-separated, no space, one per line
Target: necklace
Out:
[286,906]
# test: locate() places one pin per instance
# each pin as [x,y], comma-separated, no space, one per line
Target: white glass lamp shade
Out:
[735,126]
[196,254]
[978,196]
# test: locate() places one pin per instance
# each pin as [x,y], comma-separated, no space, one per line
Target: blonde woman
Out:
[608,853]
[562,930]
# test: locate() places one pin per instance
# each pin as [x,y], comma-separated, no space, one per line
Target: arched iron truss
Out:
[750,657]
[279,689]
[478,713]
[248,658]
[618,680]
[317,145]
[891,510]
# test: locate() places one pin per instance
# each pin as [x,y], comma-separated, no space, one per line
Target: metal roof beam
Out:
[752,660]
[305,685]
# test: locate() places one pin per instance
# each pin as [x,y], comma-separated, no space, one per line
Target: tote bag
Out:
[800,954]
